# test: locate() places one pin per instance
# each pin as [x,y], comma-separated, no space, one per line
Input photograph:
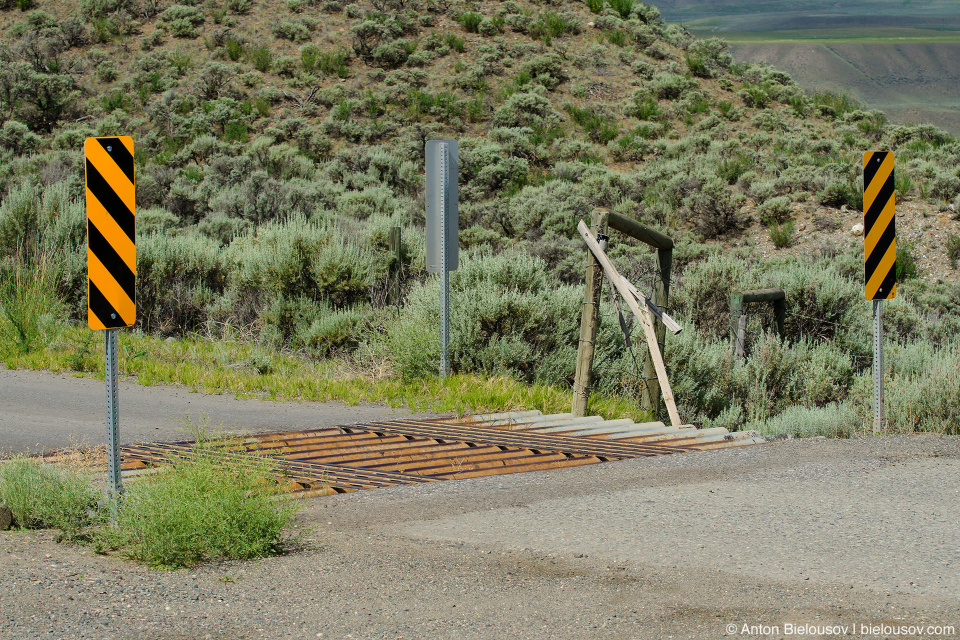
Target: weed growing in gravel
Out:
[44,496]
[198,509]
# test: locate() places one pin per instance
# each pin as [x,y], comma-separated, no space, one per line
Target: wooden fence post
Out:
[588,321]
[738,320]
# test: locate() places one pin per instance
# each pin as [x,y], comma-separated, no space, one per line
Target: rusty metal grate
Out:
[389,453]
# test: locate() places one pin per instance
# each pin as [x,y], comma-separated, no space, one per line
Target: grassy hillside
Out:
[279,142]
[910,79]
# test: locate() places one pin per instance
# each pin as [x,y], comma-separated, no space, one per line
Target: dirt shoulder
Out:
[858,532]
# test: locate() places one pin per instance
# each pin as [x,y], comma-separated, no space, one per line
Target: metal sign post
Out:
[111,264]
[879,256]
[443,251]
[877,368]
[444,273]
[113,409]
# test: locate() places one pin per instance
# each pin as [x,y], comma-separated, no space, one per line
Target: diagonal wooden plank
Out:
[614,276]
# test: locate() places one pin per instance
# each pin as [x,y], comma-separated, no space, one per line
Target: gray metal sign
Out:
[442,200]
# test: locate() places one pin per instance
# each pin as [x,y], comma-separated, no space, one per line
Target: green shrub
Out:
[922,392]
[292,30]
[616,37]
[840,191]
[240,7]
[507,317]
[197,508]
[551,25]
[754,96]
[697,65]
[309,55]
[338,331]
[547,69]
[669,86]
[646,108]
[780,234]
[953,249]
[734,166]
[834,105]
[600,128]
[42,496]
[470,21]
[775,210]
[455,42]
[903,184]
[235,50]
[906,263]
[715,209]
[835,420]
[623,7]
[261,58]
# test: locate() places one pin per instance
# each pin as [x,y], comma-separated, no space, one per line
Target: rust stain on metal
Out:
[396,452]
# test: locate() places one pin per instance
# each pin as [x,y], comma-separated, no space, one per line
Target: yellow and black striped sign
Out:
[111,233]
[879,227]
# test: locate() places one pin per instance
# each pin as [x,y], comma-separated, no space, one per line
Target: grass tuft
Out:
[28,303]
[42,496]
[199,509]
[781,234]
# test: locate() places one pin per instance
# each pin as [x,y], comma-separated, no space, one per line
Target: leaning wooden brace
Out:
[642,315]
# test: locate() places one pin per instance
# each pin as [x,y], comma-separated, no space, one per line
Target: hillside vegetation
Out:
[277,143]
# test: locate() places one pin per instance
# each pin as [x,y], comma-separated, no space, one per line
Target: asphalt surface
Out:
[42,411]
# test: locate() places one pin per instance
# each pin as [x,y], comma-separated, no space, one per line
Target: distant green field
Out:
[862,35]
[690,10]
[896,55]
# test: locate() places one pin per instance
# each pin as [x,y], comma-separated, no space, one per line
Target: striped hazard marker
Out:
[111,233]
[879,226]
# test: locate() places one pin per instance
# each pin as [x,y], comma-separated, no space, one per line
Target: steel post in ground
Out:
[393,285]
[444,271]
[113,410]
[877,368]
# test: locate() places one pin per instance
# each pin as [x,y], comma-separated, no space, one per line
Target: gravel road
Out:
[792,539]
